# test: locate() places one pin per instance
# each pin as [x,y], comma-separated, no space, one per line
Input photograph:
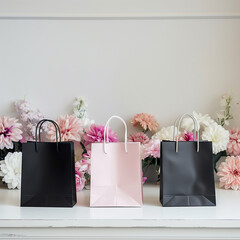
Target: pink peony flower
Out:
[70,127]
[146,121]
[229,172]
[152,148]
[96,134]
[233,147]
[187,136]
[139,137]
[80,182]
[9,132]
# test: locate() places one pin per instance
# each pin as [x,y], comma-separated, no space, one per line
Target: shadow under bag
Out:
[186,171]
[48,172]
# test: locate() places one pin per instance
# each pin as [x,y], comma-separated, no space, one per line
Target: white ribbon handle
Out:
[106,129]
[196,130]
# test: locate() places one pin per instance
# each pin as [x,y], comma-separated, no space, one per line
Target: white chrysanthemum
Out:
[218,135]
[202,121]
[10,169]
[166,133]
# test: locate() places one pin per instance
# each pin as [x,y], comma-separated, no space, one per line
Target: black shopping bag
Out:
[48,172]
[186,172]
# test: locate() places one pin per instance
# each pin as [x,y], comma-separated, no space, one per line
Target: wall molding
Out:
[118,9]
[133,17]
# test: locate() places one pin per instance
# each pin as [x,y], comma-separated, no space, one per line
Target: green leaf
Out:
[216,158]
[83,147]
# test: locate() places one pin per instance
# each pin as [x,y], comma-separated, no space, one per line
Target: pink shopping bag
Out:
[116,172]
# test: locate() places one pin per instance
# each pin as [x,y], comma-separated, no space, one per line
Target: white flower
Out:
[87,122]
[80,111]
[218,135]
[80,100]
[80,107]
[10,169]
[166,133]
[202,121]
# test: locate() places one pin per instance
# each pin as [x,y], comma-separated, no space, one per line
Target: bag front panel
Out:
[187,173]
[48,176]
[116,175]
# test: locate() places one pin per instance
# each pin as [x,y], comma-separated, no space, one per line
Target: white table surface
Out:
[226,215]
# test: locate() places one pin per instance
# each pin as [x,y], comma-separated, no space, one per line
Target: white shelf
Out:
[225,216]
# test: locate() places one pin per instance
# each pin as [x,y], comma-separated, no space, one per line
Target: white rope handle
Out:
[177,120]
[106,129]
[196,130]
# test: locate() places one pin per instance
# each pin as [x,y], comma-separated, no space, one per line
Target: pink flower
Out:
[187,136]
[96,134]
[233,147]
[152,148]
[80,182]
[85,166]
[77,166]
[146,121]
[143,179]
[139,137]
[229,172]
[29,117]
[70,127]
[79,176]
[86,162]
[9,132]
[87,154]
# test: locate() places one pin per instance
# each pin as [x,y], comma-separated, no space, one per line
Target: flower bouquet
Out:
[10,151]
[229,170]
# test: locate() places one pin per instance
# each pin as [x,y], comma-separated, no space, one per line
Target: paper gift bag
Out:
[116,172]
[48,172]
[186,171]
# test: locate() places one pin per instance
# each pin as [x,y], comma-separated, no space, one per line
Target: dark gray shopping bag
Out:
[186,172]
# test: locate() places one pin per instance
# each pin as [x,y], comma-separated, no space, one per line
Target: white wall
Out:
[163,64]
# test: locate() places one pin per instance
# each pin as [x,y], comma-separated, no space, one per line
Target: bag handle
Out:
[176,121]
[106,129]
[39,125]
[58,133]
[196,130]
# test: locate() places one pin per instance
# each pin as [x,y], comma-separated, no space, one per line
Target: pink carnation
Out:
[70,126]
[139,137]
[187,136]
[229,172]
[80,182]
[9,132]
[233,147]
[152,148]
[96,134]
[146,121]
